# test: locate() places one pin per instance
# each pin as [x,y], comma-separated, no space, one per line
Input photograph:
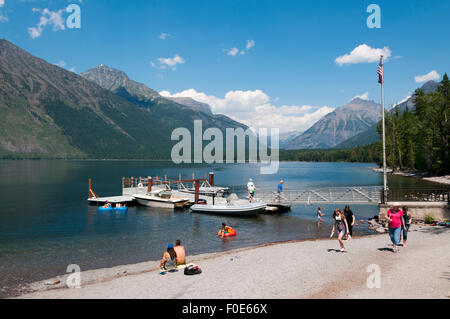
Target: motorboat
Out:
[161,198]
[230,206]
[248,209]
[205,189]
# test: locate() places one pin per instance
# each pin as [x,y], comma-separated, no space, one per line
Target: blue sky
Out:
[289,67]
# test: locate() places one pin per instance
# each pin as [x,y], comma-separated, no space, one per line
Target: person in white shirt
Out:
[251,190]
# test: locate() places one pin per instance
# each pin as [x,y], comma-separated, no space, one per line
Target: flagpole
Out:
[384,135]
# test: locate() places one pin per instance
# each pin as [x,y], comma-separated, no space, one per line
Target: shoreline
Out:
[314,269]
[106,274]
[442,180]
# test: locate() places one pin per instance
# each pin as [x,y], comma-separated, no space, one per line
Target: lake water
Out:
[46,223]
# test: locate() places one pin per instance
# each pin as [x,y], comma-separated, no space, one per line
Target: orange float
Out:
[229,233]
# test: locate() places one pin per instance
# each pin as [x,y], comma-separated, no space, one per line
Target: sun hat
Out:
[170,246]
[395,204]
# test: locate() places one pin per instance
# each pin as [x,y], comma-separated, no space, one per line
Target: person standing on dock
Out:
[251,190]
[280,190]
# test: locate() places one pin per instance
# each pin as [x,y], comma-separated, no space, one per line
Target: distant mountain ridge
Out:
[49,112]
[370,135]
[339,125]
[196,105]
[118,82]
[430,86]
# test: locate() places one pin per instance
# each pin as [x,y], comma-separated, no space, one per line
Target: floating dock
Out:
[143,186]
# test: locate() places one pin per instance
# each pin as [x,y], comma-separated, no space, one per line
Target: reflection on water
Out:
[46,224]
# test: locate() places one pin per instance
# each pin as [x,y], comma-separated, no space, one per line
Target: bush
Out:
[429,219]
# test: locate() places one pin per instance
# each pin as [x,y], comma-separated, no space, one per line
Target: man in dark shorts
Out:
[350,219]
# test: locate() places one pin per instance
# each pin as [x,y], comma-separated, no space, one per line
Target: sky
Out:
[265,63]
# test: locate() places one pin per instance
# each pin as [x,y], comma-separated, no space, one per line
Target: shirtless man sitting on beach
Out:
[181,253]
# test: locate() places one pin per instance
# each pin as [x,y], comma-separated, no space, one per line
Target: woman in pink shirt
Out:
[396,221]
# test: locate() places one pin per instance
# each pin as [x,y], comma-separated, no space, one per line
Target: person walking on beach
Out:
[181,253]
[169,260]
[350,217]
[395,218]
[340,224]
[407,217]
[251,190]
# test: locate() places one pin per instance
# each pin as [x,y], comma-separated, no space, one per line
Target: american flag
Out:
[380,71]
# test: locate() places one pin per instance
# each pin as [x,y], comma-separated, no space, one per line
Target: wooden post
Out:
[211,178]
[90,187]
[197,188]
[149,184]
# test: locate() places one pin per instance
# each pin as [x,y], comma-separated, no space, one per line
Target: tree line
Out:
[418,139]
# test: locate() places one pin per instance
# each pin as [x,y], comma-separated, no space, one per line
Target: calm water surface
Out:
[46,223]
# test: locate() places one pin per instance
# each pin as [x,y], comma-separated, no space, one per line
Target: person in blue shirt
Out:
[280,190]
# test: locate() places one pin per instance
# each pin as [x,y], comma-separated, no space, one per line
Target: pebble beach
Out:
[293,269]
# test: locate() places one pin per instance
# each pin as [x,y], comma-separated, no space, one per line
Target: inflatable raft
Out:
[232,232]
[103,209]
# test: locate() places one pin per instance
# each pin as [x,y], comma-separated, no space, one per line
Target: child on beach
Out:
[408,220]
[340,223]
[396,221]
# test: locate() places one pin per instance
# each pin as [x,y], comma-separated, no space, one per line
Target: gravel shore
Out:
[296,269]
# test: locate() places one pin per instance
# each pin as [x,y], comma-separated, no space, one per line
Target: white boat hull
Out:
[238,210]
[150,201]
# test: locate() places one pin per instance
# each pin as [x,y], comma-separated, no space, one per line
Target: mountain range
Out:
[49,112]
[339,125]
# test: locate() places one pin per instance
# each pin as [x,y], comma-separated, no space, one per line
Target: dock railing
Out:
[339,195]
[419,195]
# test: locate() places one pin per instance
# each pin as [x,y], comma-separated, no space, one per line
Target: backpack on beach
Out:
[192,269]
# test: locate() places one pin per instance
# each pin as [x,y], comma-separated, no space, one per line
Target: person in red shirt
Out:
[396,221]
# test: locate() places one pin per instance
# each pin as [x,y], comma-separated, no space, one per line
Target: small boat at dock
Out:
[248,209]
[161,198]
[231,205]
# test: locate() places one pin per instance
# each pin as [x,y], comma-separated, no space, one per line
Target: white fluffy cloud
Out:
[254,108]
[250,44]
[61,64]
[54,18]
[432,75]
[3,17]
[168,63]
[363,54]
[164,36]
[233,51]
[364,96]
